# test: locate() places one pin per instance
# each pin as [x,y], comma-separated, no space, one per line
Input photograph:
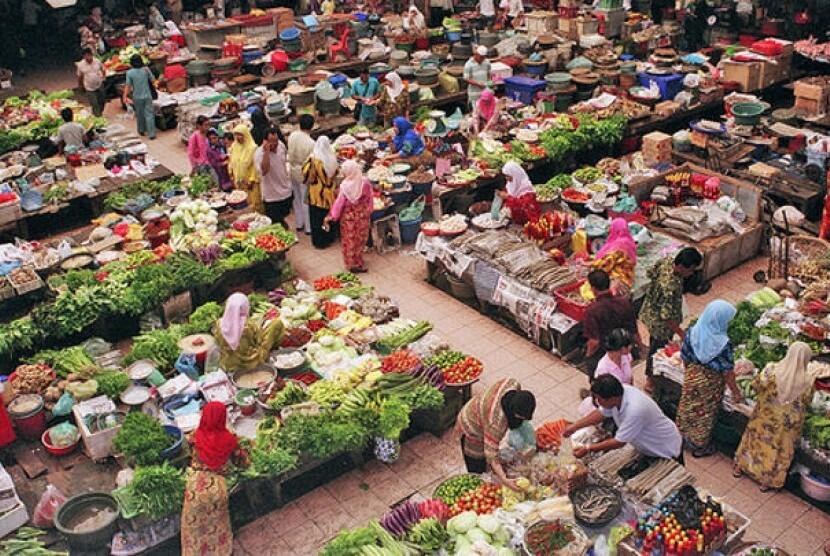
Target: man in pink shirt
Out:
[197,148]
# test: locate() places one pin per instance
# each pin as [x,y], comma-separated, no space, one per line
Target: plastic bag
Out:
[49,502]
[82,390]
[96,347]
[64,405]
[63,435]
[186,364]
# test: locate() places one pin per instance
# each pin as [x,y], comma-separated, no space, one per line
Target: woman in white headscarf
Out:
[318,175]
[783,392]
[414,21]
[353,208]
[394,99]
[520,197]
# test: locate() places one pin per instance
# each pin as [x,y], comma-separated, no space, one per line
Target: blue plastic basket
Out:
[337,80]
[290,34]
[522,89]
[453,36]
[410,230]
[669,85]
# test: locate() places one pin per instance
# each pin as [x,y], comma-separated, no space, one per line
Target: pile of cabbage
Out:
[479,535]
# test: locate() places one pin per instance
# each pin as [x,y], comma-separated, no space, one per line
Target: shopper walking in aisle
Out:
[477,73]
[272,163]
[300,147]
[259,125]
[197,147]
[487,8]
[618,256]
[91,75]
[709,365]
[662,309]
[218,159]
[486,419]
[640,422]
[242,168]
[783,392]
[206,518]
[519,197]
[366,91]
[606,314]
[394,100]
[138,92]
[318,176]
[353,209]
[70,133]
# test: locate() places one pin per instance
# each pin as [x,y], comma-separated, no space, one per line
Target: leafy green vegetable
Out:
[65,361]
[742,326]
[160,346]
[203,318]
[158,489]
[393,419]
[141,438]
[112,383]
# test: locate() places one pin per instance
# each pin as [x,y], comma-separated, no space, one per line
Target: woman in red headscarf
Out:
[206,520]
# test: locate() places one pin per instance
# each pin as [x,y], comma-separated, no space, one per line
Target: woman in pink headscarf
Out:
[353,208]
[520,197]
[618,256]
[245,340]
[487,111]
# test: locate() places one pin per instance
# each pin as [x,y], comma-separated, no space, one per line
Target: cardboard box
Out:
[657,142]
[746,74]
[567,28]
[775,70]
[541,23]
[810,107]
[816,88]
[666,108]
[613,21]
[586,26]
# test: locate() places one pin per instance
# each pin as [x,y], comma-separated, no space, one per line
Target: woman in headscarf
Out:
[783,393]
[245,340]
[486,112]
[242,168]
[406,143]
[485,420]
[353,208]
[394,99]
[318,175]
[709,366]
[218,159]
[519,197]
[206,520]
[259,125]
[414,22]
[618,256]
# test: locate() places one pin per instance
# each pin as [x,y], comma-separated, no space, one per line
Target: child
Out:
[218,158]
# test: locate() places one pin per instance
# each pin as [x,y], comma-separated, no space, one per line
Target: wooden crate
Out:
[810,107]
[816,88]
[746,74]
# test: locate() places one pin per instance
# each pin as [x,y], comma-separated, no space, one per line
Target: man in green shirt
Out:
[662,310]
[477,74]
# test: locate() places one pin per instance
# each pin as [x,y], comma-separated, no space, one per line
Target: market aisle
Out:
[302,526]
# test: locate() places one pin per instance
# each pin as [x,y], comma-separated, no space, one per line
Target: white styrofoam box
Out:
[499,71]
[14,518]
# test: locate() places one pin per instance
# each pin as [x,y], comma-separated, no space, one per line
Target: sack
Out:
[49,502]
[153,92]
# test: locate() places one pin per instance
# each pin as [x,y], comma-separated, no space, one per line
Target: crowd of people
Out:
[613,343]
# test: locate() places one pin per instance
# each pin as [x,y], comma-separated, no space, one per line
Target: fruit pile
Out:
[332,310]
[483,500]
[327,283]
[445,359]
[270,243]
[464,371]
[401,361]
[451,490]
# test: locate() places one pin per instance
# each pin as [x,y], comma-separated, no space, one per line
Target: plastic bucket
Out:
[410,230]
[27,414]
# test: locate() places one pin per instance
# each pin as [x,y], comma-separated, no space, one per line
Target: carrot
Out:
[549,434]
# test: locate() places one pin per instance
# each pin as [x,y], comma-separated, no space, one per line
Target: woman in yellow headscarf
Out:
[242,168]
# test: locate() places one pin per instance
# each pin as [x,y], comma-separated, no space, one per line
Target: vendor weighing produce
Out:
[487,418]
[640,421]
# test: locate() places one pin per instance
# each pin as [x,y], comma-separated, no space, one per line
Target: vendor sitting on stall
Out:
[618,256]
[414,22]
[486,112]
[70,133]
[640,421]
[520,196]
[406,143]
[244,340]
[485,420]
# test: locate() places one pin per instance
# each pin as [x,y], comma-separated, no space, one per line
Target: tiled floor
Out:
[303,525]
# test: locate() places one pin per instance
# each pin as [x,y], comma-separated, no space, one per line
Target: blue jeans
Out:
[144,116]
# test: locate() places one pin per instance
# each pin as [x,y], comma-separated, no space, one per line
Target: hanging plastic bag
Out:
[495,208]
[64,405]
[49,502]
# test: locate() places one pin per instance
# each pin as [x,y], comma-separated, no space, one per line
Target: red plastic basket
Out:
[567,306]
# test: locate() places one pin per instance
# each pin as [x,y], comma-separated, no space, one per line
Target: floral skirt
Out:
[354,232]
[206,519]
[699,404]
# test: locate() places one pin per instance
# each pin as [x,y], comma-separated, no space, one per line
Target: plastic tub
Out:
[46,440]
[817,488]
[669,85]
[522,89]
[27,414]
[410,229]
[73,510]
[453,36]
[246,400]
[178,439]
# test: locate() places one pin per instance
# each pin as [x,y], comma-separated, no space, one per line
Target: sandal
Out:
[706,451]
[736,471]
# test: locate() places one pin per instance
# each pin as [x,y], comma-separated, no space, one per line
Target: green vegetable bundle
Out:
[158,490]
[141,438]
[403,338]
[817,431]
[112,383]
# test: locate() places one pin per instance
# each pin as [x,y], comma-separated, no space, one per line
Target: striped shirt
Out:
[483,422]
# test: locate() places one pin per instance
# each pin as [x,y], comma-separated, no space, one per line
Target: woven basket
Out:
[809,246]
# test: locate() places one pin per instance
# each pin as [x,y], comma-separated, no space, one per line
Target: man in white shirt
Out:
[640,421]
[272,165]
[300,145]
[487,8]
[477,74]
[91,75]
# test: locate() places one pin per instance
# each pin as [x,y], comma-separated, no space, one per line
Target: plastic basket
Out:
[568,306]
[669,85]
[410,230]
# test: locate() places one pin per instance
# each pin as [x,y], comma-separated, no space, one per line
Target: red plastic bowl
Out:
[55,451]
